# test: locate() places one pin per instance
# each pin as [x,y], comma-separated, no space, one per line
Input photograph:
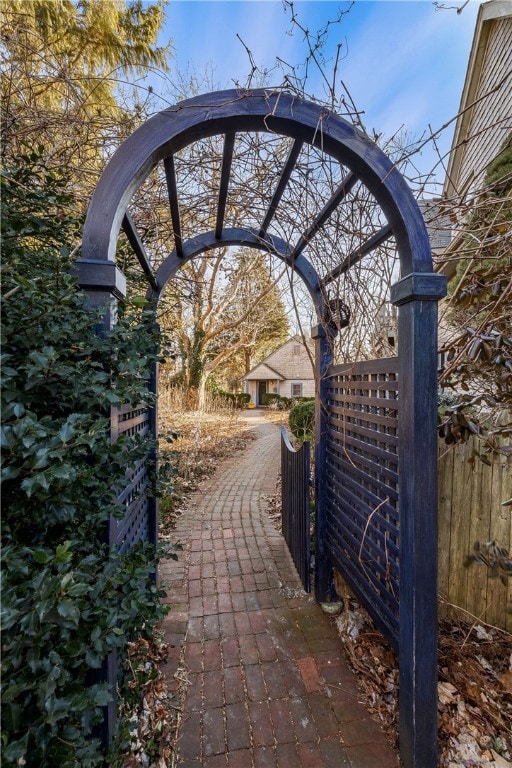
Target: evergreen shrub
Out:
[302,419]
[279,401]
[67,600]
[236,399]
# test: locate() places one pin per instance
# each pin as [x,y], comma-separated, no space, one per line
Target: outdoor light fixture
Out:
[337,313]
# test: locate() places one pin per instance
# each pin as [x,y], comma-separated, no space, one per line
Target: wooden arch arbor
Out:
[376,460]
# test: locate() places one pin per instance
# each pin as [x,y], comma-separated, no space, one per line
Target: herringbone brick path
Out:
[268,683]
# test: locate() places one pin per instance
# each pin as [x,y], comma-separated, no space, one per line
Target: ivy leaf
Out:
[68,610]
[101,695]
[62,553]
[66,432]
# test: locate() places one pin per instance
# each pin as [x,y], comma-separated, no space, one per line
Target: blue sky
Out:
[403,62]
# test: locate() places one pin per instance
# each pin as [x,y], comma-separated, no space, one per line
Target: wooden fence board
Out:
[470,509]
[445,475]
[459,534]
[478,526]
[499,595]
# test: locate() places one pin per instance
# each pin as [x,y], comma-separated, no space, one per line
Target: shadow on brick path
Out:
[269,686]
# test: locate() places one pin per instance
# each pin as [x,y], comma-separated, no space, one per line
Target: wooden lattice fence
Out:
[362,484]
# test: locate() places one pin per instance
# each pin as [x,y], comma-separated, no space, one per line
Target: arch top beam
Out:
[249,238]
[244,111]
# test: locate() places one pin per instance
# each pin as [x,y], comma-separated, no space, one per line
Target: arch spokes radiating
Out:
[278,207]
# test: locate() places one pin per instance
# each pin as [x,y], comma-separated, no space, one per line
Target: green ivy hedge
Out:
[67,601]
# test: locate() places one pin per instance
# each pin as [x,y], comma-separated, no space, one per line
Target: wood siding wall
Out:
[470,509]
[490,117]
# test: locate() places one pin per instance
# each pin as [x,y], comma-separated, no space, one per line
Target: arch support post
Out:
[416,296]
[153,458]
[104,284]
[323,360]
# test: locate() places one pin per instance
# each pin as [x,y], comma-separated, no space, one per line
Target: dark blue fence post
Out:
[416,295]
[104,284]
[153,457]
[323,359]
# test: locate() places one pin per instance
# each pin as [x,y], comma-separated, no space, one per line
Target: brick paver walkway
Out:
[268,683]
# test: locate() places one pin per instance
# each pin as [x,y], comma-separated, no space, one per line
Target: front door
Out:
[262,390]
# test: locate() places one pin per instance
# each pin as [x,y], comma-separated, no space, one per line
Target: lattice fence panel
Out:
[362,484]
[136,524]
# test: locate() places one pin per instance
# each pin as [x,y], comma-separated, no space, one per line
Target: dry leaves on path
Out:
[475,687]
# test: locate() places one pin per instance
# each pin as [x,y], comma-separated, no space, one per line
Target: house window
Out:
[297,389]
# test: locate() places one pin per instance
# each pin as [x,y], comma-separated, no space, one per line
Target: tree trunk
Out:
[201,390]
[247,355]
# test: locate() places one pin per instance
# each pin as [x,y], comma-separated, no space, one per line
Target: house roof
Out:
[285,363]
[263,372]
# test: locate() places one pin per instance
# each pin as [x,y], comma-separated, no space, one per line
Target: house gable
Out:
[292,360]
[263,372]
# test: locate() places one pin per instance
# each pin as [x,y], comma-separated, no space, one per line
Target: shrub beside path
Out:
[268,684]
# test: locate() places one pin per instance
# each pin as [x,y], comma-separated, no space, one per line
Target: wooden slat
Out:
[328,209]
[281,185]
[345,520]
[370,434]
[123,531]
[385,365]
[136,243]
[502,490]
[445,482]
[172,192]
[357,420]
[360,468]
[345,543]
[390,403]
[362,498]
[354,386]
[227,158]
[371,570]
[371,458]
[384,617]
[345,540]
[478,516]
[344,451]
[460,542]
[364,249]
[139,423]
[364,433]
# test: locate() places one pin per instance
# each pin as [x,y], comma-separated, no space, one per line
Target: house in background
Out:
[485,117]
[287,372]
[483,126]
